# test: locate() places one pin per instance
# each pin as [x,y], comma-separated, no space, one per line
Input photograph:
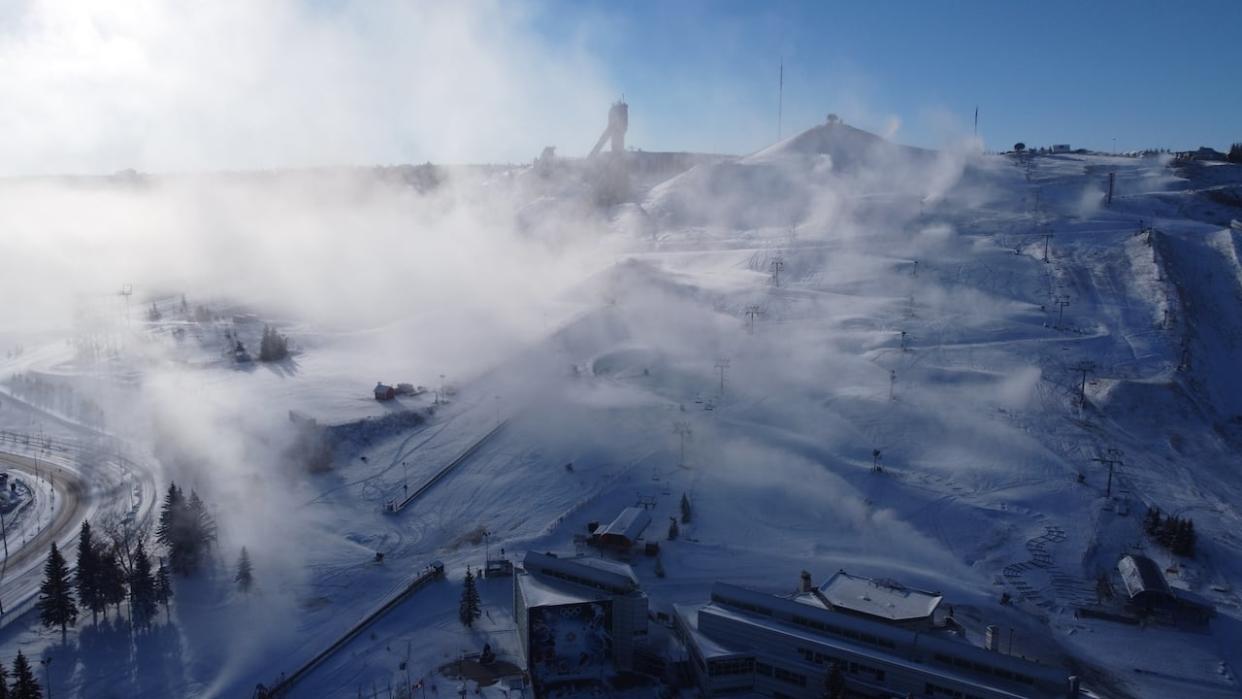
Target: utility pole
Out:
[682,430]
[1112,179]
[875,461]
[127,290]
[1047,238]
[903,341]
[47,675]
[722,364]
[1084,367]
[752,312]
[1061,302]
[776,266]
[1112,458]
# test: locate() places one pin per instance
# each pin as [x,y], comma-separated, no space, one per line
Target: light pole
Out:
[47,675]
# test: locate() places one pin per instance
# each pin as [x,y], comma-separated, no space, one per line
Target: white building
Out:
[577,617]
[749,641]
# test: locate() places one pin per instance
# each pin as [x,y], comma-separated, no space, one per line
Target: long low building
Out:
[745,640]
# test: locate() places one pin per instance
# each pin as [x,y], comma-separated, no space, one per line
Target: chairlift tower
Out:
[776,266]
[752,312]
[1111,458]
[127,290]
[682,430]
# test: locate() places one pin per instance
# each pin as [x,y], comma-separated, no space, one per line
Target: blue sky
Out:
[702,75]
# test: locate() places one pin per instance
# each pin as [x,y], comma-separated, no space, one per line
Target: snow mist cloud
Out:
[181,86]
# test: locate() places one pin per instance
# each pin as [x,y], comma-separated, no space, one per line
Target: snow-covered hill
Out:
[866,296]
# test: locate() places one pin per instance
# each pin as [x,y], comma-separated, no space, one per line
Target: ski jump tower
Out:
[618,122]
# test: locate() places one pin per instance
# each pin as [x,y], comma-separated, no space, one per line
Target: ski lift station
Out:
[624,532]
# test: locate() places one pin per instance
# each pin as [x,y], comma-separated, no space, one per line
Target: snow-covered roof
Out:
[709,649]
[884,599]
[628,525]
[1141,574]
[540,591]
[597,573]
[1046,676]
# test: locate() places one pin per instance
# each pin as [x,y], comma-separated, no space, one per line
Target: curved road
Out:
[68,487]
[78,495]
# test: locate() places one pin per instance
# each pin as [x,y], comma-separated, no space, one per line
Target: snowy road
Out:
[77,485]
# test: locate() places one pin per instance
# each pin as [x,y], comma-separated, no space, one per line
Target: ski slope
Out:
[867,297]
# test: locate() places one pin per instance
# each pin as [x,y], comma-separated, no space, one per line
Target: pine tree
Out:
[186,529]
[685,509]
[142,596]
[273,346]
[4,682]
[154,314]
[112,579]
[87,577]
[202,534]
[163,588]
[24,686]
[56,605]
[245,576]
[470,608]
[170,515]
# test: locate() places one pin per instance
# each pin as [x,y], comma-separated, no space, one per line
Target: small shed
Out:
[1145,583]
[624,531]
[384,392]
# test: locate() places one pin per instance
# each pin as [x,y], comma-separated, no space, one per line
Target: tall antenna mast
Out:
[780,100]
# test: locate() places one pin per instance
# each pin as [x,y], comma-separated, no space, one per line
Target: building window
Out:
[740,666]
[790,677]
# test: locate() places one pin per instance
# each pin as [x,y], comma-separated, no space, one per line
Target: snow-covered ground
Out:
[865,296]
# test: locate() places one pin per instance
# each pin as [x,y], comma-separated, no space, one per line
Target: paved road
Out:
[20,573]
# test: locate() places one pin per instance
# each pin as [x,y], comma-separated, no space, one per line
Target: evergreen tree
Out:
[673,530]
[143,602]
[186,529]
[1235,153]
[4,682]
[245,576]
[273,346]
[56,605]
[154,314]
[170,515]
[685,509]
[163,588]
[470,608]
[24,686]
[112,579]
[87,578]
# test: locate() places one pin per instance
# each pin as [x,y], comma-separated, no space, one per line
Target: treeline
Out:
[1235,153]
[117,571]
[1177,534]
